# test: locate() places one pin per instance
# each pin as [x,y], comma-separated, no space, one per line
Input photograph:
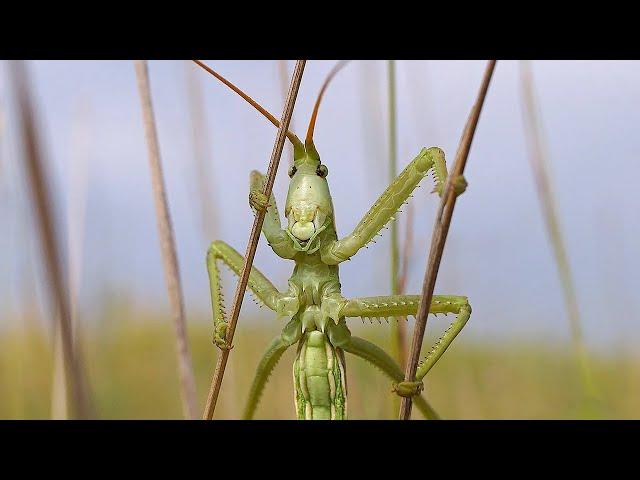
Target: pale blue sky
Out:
[497,253]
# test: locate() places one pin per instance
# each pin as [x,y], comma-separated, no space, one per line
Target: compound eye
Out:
[292,171]
[322,171]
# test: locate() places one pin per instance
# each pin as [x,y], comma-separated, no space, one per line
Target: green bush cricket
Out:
[313,303]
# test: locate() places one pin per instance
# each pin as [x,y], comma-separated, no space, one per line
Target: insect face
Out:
[309,203]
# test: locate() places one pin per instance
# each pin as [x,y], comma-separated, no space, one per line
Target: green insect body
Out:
[313,303]
[319,378]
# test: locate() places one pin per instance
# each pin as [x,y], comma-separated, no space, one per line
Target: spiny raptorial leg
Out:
[407,305]
[258,201]
[284,304]
[387,205]
[271,227]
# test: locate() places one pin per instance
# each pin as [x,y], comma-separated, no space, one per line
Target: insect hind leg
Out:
[268,362]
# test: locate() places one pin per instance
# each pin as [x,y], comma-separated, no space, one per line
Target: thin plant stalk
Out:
[59,394]
[202,153]
[76,218]
[167,245]
[42,196]
[439,238]
[407,247]
[538,158]
[398,327]
[254,237]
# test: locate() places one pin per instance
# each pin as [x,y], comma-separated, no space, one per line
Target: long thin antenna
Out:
[312,122]
[254,237]
[291,136]
[440,231]
[167,245]
[42,201]
[284,77]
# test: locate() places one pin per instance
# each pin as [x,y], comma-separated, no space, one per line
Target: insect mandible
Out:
[313,303]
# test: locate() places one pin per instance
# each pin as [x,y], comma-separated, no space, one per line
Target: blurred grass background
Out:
[132,366]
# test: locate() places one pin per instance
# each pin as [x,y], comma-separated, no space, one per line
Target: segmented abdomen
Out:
[319,379]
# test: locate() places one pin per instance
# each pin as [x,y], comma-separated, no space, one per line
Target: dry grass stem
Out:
[42,198]
[167,244]
[202,153]
[76,216]
[398,328]
[440,231]
[253,239]
[538,159]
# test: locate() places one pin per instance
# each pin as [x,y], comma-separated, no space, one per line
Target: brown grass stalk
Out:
[167,245]
[201,153]
[538,158]
[76,217]
[285,79]
[440,231]
[254,237]
[42,198]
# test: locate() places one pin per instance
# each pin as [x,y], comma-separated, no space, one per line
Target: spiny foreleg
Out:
[272,227]
[283,304]
[385,208]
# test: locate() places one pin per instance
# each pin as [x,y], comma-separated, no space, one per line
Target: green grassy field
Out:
[132,366]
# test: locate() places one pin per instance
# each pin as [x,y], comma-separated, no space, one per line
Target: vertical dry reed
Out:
[440,231]
[398,327]
[538,158]
[42,199]
[254,237]
[76,216]
[167,244]
[201,134]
